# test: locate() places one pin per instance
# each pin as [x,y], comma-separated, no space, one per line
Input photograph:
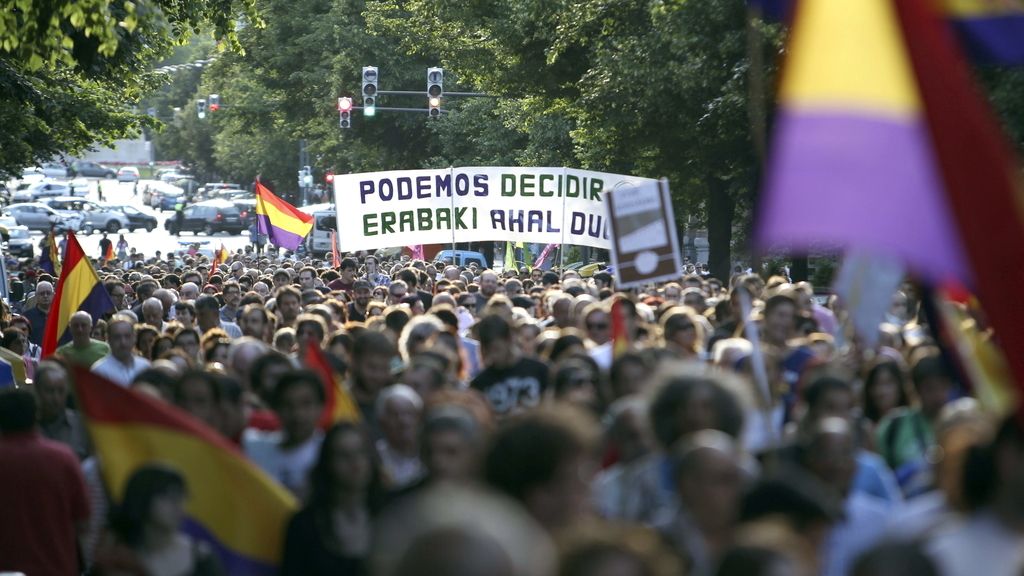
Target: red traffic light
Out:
[329,177]
[214,107]
[345,104]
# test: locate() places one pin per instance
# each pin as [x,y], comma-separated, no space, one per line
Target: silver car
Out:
[40,217]
[51,189]
[94,216]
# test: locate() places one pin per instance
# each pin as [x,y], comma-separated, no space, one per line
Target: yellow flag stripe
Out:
[283,220]
[240,505]
[847,56]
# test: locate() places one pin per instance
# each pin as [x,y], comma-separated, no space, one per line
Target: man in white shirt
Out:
[288,455]
[121,365]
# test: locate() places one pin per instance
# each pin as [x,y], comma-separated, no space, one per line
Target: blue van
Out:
[462,258]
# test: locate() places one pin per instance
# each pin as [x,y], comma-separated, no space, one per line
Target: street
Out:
[147,242]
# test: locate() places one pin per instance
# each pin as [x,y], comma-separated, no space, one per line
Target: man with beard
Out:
[362,295]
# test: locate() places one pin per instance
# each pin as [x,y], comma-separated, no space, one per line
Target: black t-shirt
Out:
[354,315]
[520,386]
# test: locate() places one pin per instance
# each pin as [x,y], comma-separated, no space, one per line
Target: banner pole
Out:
[451,174]
[561,247]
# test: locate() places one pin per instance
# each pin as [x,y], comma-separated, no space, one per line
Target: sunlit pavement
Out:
[148,243]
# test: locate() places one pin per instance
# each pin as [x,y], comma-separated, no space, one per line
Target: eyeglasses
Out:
[230,292]
[597,325]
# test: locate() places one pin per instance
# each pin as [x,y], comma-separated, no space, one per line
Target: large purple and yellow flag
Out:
[852,164]
[884,144]
[232,505]
[284,224]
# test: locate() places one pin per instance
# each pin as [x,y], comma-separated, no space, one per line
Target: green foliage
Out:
[70,70]
[653,88]
[78,33]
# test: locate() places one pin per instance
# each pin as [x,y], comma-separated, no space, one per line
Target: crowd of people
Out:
[527,422]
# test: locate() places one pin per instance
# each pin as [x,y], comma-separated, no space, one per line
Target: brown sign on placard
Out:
[645,247]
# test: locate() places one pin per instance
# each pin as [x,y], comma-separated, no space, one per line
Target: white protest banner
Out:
[474,204]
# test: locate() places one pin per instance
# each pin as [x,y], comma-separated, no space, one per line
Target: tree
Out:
[650,88]
[71,69]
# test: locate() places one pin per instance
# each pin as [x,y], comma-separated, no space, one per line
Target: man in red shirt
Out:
[42,495]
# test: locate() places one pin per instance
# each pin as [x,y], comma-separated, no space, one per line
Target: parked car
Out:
[128,174]
[54,170]
[461,258]
[173,175]
[233,195]
[79,187]
[137,219]
[18,243]
[218,189]
[40,217]
[32,175]
[171,169]
[90,170]
[94,216]
[209,217]
[22,193]
[48,189]
[169,199]
[247,210]
[154,192]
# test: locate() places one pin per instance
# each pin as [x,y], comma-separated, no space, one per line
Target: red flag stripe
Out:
[982,183]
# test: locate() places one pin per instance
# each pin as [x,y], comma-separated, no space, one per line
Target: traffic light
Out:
[435,90]
[214,102]
[201,108]
[307,176]
[369,90]
[345,112]
[329,177]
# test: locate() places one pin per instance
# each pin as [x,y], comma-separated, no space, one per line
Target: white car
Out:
[54,170]
[49,189]
[128,174]
[32,176]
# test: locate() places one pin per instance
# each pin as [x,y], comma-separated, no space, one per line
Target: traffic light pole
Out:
[391,109]
[420,93]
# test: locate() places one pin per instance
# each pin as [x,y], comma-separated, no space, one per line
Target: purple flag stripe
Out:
[278,236]
[860,181]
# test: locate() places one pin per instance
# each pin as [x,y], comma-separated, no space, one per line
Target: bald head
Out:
[189,291]
[81,328]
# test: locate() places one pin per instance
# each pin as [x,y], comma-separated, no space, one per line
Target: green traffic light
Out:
[369,111]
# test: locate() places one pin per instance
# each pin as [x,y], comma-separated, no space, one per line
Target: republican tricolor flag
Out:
[219,257]
[339,406]
[285,225]
[883,144]
[232,505]
[79,288]
[49,259]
